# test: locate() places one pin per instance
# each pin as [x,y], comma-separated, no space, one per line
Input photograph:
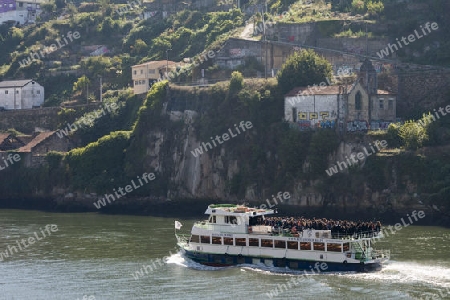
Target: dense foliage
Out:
[302,69]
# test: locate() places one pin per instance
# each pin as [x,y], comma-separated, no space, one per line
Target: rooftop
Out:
[156,64]
[227,209]
[34,142]
[317,90]
[14,83]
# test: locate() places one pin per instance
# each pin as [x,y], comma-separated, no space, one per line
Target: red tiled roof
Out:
[317,90]
[37,140]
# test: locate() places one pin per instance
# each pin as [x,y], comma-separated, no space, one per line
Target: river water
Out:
[97,256]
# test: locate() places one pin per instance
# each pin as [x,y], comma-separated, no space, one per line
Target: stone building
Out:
[357,107]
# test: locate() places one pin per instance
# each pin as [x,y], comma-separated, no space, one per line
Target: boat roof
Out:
[234,209]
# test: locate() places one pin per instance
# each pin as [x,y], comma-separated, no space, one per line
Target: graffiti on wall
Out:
[326,124]
[304,125]
[379,125]
[357,125]
[309,120]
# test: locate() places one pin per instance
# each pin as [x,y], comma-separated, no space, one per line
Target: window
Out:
[241,242]
[212,219]
[151,71]
[142,71]
[333,247]
[38,92]
[319,246]
[292,245]
[195,239]
[253,242]
[20,4]
[135,72]
[135,83]
[267,243]
[217,240]
[381,104]
[358,101]
[280,244]
[305,246]
[205,239]
[346,247]
[17,91]
[231,220]
[294,114]
[228,241]
[6,92]
[391,104]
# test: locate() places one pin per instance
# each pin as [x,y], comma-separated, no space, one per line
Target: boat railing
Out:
[334,235]
[356,235]
[182,238]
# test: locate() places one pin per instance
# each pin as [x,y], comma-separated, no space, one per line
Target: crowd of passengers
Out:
[337,227]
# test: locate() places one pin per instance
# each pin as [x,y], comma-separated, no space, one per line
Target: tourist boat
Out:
[232,235]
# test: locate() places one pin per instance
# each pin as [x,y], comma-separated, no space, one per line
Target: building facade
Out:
[357,107]
[146,74]
[20,11]
[21,94]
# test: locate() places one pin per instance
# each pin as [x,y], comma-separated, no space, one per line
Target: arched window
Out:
[358,101]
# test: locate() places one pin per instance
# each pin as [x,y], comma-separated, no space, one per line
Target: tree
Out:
[236,82]
[302,69]
[413,135]
[81,84]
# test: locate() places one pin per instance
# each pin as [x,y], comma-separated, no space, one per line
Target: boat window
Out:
[217,240]
[333,247]
[241,242]
[346,247]
[305,246]
[212,219]
[231,220]
[267,243]
[319,246]
[205,239]
[195,239]
[280,244]
[228,241]
[292,245]
[317,234]
[253,242]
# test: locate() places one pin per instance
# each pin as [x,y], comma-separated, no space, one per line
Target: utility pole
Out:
[101,92]
[167,63]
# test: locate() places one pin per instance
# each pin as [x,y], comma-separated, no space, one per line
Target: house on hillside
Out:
[21,94]
[20,11]
[146,74]
[9,141]
[357,107]
[34,153]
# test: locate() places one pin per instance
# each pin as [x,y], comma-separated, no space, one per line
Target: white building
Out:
[20,11]
[21,94]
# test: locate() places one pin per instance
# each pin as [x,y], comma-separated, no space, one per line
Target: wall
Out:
[315,111]
[360,116]
[26,120]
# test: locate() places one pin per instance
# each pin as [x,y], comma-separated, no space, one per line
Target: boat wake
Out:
[181,260]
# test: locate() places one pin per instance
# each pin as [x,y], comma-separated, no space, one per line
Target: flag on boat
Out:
[178,225]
